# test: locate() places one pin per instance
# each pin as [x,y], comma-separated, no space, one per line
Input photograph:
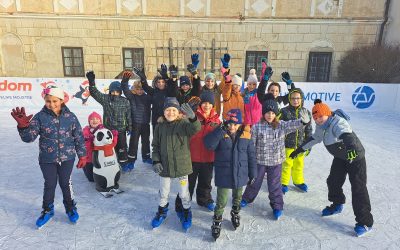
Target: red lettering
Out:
[13,86]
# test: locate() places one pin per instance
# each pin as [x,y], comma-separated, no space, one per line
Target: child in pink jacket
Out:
[252,106]
[94,120]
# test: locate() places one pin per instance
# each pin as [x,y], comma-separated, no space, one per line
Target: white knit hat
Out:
[252,77]
[237,80]
[54,91]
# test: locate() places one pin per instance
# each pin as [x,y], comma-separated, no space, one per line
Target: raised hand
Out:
[164,71]
[90,76]
[225,61]
[20,116]
[173,72]
[140,74]
[195,60]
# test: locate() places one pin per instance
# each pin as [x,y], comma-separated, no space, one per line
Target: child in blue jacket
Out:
[234,164]
[60,140]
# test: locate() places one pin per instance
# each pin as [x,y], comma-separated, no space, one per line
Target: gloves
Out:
[81,162]
[195,60]
[296,152]
[90,76]
[157,168]
[194,102]
[267,73]
[226,75]
[351,155]
[164,71]
[286,78]
[140,74]
[251,181]
[225,61]
[125,76]
[187,110]
[304,116]
[192,69]
[21,118]
[173,72]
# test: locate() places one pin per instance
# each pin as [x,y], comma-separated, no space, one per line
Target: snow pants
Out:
[274,186]
[293,168]
[53,172]
[222,199]
[357,171]
[141,131]
[165,188]
[202,174]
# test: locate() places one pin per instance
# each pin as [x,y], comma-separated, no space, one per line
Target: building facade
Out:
[65,38]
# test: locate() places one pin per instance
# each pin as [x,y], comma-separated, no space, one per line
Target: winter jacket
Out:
[235,161]
[157,100]
[231,100]
[183,97]
[252,107]
[88,136]
[293,140]
[140,105]
[171,146]
[270,142]
[198,151]
[60,136]
[280,99]
[116,110]
[337,136]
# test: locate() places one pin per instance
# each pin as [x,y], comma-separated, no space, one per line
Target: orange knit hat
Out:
[320,109]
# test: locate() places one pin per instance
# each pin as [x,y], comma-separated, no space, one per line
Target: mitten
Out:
[304,116]
[192,69]
[157,167]
[286,78]
[194,102]
[268,73]
[20,116]
[90,76]
[125,76]
[296,152]
[164,71]
[195,60]
[81,162]
[187,110]
[173,72]
[226,75]
[225,61]
[140,74]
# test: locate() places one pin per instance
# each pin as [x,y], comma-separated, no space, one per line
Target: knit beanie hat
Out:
[210,76]
[171,102]
[252,77]
[54,91]
[94,115]
[114,86]
[234,116]
[320,109]
[207,96]
[184,80]
[270,104]
[237,80]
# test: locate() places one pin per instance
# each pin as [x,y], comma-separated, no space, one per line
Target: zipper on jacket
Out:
[58,140]
[297,131]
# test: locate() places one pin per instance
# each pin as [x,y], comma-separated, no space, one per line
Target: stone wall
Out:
[32,34]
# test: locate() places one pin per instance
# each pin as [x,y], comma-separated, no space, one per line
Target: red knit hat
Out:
[94,115]
[320,109]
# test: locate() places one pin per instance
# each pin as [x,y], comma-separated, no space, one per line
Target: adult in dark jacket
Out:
[141,110]
[234,164]
[116,113]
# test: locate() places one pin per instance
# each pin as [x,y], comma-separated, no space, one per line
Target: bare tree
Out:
[378,64]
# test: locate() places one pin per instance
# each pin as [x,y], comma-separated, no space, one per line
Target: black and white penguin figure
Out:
[106,170]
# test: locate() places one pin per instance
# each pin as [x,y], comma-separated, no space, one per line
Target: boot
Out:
[186,219]
[216,226]
[46,215]
[71,210]
[235,217]
[160,216]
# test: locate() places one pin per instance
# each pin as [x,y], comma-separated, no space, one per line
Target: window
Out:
[319,66]
[73,61]
[253,61]
[133,57]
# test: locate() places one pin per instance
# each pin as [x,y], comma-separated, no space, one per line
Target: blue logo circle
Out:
[363,97]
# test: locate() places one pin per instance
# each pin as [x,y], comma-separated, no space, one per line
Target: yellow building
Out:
[65,38]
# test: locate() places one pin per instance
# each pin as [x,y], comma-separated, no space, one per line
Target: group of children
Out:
[190,142]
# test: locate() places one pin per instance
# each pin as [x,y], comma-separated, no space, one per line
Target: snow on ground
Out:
[123,222]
